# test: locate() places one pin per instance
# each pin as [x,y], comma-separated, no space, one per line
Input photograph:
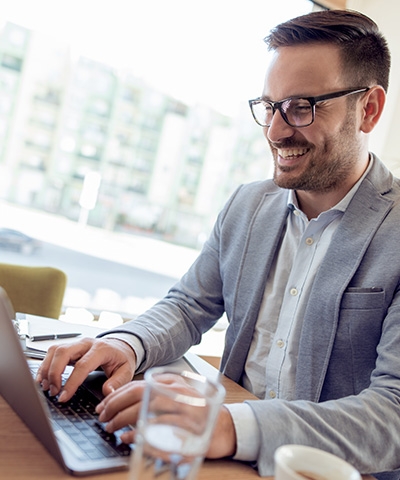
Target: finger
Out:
[118,363]
[42,373]
[118,378]
[128,437]
[124,418]
[121,399]
[85,363]
[57,359]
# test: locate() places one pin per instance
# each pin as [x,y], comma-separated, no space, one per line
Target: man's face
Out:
[322,156]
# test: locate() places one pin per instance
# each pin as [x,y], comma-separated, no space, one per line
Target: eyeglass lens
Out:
[298,112]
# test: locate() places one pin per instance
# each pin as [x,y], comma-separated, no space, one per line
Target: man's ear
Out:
[373,104]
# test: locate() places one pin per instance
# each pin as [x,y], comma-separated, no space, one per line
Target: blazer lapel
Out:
[262,240]
[361,220]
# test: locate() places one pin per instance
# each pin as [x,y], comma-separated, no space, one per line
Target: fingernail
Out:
[63,396]
[45,384]
[52,390]
[109,428]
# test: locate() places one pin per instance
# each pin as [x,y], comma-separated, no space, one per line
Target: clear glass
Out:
[177,418]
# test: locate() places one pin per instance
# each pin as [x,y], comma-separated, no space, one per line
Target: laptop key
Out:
[107,451]
[123,449]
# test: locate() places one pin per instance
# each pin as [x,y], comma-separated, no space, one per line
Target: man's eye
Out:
[301,109]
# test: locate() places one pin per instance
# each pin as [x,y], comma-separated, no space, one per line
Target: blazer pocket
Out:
[362,310]
[355,298]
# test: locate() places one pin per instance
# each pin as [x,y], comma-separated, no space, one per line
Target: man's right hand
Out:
[114,356]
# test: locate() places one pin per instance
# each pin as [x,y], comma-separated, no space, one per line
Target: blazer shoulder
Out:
[258,189]
[251,198]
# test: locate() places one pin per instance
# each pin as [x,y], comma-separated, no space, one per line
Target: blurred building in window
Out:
[166,168]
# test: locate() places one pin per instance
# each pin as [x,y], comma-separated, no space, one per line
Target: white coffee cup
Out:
[299,462]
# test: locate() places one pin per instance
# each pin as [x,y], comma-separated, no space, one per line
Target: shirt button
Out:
[293,291]
[309,241]
[280,343]
[296,212]
[272,394]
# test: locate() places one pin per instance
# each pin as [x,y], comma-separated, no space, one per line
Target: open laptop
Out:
[71,448]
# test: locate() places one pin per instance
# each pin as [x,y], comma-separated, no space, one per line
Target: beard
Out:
[328,166]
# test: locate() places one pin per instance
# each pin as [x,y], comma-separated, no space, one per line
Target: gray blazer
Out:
[348,385]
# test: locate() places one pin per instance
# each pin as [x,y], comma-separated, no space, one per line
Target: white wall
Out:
[384,139]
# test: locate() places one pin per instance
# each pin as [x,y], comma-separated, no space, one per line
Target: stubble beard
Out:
[327,169]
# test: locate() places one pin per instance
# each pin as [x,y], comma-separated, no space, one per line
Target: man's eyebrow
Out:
[266,98]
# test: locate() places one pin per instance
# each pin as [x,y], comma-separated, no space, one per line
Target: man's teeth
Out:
[292,152]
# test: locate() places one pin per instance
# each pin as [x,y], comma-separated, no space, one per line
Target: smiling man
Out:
[306,267]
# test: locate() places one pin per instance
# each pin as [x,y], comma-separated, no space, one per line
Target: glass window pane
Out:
[155,104]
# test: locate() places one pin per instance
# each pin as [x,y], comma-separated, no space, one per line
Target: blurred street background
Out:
[115,276]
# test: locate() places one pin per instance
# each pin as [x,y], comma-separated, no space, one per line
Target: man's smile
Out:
[291,153]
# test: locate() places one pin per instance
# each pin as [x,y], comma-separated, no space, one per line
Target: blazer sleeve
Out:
[190,308]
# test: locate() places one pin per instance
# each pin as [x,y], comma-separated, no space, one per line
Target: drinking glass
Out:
[175,425]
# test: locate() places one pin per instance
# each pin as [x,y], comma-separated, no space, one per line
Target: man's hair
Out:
[364,51]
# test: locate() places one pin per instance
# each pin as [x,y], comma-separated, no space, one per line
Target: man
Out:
[306,267]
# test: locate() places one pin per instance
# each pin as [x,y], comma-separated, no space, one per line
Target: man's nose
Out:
[279,129]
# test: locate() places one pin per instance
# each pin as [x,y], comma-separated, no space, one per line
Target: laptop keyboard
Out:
[79,420]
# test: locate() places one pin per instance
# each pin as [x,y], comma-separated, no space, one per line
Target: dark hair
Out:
[364,51]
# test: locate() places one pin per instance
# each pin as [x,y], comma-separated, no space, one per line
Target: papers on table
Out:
[35,325]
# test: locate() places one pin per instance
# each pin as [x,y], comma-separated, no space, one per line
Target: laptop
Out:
[77,449]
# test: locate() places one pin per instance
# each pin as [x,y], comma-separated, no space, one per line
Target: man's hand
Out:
[122,408]
[223,441]
[115,357]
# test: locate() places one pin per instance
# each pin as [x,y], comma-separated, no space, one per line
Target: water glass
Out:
[177,418]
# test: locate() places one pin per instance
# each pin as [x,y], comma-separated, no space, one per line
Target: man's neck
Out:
[313,203]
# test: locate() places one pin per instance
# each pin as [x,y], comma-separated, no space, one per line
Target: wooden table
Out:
[23,457]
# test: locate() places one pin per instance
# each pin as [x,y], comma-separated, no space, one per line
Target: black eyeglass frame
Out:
[312,100]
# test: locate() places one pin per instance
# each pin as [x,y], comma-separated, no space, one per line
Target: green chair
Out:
[34,290]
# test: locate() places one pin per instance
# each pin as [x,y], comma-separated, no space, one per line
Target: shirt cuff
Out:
[133,342]
[248,438]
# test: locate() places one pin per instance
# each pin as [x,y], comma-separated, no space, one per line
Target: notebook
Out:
[49,420]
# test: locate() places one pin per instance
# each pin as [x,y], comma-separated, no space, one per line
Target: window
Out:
[156,105]
[11,62]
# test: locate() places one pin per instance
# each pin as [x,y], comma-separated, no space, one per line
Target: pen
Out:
[53,336]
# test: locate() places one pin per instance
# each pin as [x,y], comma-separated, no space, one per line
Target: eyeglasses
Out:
[296,111]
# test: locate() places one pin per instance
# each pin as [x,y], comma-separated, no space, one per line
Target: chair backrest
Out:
[34,290]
